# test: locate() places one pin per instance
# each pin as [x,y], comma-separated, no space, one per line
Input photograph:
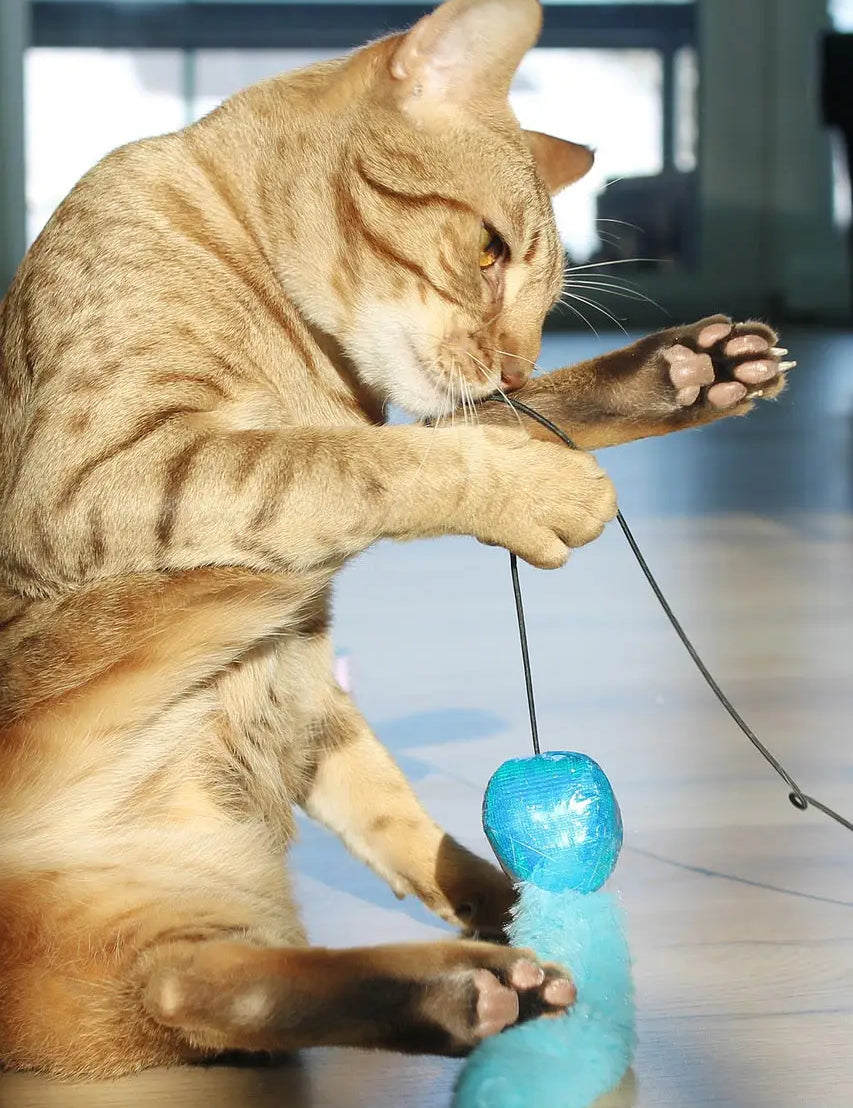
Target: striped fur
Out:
[195,359]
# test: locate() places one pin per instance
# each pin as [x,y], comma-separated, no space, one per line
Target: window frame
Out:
[200,25]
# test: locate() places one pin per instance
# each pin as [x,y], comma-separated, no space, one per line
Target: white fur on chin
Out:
[392,355]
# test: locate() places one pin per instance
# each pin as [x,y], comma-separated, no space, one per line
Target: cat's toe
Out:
[726,394]
[748,344]
[496,1005]
[749,359]
[756,373]
[714,333]
[550,995]
[526,991]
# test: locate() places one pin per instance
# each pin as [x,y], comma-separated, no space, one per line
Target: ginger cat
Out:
[195,356]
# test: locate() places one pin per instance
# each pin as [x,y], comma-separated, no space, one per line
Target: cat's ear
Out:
[465,51]
[559,161]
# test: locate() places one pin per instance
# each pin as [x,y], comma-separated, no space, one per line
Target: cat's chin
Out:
[391,363]
[402,382]
[424,397]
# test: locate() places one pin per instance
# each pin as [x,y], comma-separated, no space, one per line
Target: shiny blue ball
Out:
[553,820]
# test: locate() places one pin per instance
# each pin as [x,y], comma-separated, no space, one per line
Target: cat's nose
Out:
[513,376]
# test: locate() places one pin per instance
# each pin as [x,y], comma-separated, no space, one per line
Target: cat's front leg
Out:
[359,792]
[678,378]
[188,493]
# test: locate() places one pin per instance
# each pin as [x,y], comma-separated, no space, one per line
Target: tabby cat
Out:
[195,360]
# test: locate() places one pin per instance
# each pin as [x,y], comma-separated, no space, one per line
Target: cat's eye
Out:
[492,247]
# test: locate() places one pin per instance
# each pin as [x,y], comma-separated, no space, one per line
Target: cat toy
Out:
[555,826]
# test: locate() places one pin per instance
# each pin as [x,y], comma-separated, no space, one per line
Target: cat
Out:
[196,355]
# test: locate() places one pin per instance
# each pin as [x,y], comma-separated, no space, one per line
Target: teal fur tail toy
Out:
[555,826]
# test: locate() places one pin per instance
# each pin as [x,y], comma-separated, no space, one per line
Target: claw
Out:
[778,352]
[784,366]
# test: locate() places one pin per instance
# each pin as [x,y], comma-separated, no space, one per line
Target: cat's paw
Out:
[538,499]
[485,989]
[522,989]
[468,892]
[721,365]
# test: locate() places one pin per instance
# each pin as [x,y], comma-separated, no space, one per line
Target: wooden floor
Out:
[740,909]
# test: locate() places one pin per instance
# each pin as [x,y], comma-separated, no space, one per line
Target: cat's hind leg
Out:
[94,988]
[438,998]
[75,946]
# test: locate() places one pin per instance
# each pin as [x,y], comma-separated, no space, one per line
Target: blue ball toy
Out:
[553,821]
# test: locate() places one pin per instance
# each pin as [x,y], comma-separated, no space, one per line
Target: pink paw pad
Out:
[726,394]
[714,333]
[526,975]
[687,396]
[722,364]
[747,344]
[756,373]
[560,992]
[497,1006]
[687,368]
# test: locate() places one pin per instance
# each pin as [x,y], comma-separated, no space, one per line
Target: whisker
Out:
[613,181]
[520,357]
[434,428]
[427,452]
[622,222]
[617,261]
[616,290]
[613,290]
[602,279]
[580,315]
[463,393]
[463,396]
[511,407]
[536,366]
[482,368]
[594,275]
[498,389]
[615,280]
[475,418]
[505,399]
[598,308]
[457,405]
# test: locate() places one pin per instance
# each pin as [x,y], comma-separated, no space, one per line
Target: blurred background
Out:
[716,172]
[723,131]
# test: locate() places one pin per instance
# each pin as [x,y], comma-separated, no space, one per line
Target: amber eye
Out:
[492,247]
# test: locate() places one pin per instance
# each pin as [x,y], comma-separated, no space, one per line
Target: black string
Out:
[800,800]
[525,653]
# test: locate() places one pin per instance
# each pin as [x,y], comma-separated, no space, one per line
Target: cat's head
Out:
[447,256]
